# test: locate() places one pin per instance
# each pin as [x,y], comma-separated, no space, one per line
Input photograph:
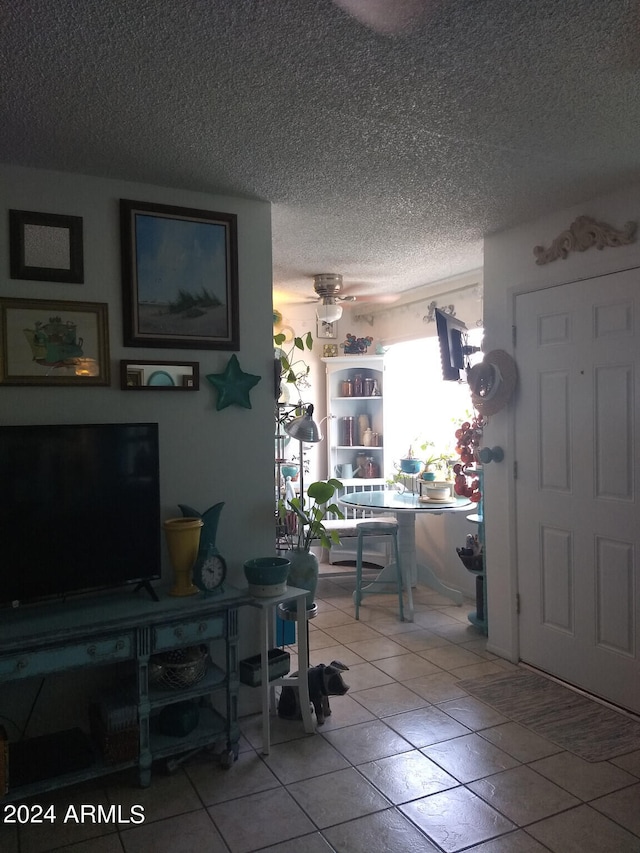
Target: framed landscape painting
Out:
[179,277]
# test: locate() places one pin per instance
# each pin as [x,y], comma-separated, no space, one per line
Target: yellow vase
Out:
[183,541]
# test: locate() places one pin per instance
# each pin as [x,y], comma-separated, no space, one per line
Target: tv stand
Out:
[146,585]
[125,630]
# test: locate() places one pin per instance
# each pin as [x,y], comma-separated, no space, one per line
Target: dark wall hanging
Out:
[179,277]
[46,247]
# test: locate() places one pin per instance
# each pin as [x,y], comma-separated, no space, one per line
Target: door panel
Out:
[577,519]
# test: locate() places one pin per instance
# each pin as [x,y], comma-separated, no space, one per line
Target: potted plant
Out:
[288,367]
[303,526]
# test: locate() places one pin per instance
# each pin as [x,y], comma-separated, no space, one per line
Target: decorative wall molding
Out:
[583,233]
[430,316]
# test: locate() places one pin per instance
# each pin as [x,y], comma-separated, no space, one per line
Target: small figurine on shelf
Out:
[356,346]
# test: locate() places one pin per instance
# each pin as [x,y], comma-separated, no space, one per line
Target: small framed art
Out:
[55,342]
[326,330]
[45,247]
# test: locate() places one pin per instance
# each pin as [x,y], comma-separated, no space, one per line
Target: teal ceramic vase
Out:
[303,572]
[210,518]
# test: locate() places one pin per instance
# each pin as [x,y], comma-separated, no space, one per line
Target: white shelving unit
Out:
[345,445]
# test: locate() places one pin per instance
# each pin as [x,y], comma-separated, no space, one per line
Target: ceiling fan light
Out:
[328,311]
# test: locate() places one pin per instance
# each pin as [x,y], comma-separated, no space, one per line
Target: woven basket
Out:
[180,668]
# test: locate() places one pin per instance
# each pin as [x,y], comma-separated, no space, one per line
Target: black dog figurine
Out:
[324,681]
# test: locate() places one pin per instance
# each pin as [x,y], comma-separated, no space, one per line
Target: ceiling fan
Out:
[330,291]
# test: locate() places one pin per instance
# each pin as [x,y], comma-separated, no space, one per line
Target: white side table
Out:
[268,608]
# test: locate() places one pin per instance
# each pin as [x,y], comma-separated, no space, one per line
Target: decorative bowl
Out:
[289,470]
[410,466]
[267,576]
[438,493]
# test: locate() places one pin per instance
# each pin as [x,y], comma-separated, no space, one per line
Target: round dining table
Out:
[406,506]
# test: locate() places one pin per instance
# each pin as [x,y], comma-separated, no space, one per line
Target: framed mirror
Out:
[142,375]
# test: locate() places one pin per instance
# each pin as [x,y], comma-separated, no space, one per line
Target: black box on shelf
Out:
[251,668]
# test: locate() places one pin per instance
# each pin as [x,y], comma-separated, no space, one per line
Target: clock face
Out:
[208,574]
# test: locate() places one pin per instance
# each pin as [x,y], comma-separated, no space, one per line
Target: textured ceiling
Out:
[387,157]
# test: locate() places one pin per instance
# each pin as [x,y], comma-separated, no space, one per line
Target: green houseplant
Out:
[304,525]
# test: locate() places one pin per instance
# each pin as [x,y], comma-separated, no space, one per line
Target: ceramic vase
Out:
[210,518]
[303,572]
[183,542]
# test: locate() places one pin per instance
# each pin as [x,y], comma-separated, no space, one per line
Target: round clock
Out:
[209,571]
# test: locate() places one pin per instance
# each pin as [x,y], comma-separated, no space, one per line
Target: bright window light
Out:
[419,405]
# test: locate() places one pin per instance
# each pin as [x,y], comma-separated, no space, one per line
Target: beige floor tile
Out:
[407,776]
[318,639]
[515,842]
[472,713]
[407,666]
[433,618]
[586,779]
[629,762]
[382,647]
[523,795]
[459,632]
[329,653]
[623,807]
[450,657]
[166,796]
[337,797]
[479,647]
[347,634]
[364,675]
[456,819]
[104,844]
[345,711]
[331,618]
[389,699]
[367,741]
[305,844]
[302,759]
[392,627]
[181,834]
[248,775]
[520,742]
[426,726]
[484,668]
[259,820]
[378,833]
[418,640]
[469,757]
[280,731]
[436,688]
[584,829]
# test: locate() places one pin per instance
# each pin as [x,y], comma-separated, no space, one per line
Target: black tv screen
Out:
[79,508]
[451,337]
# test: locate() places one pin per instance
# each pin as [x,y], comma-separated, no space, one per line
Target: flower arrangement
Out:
[308,524]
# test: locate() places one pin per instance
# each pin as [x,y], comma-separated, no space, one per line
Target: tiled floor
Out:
[406,762]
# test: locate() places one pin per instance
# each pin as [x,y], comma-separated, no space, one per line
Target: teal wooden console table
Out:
[126,629]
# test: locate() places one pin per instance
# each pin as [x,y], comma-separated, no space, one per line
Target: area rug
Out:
[574,722]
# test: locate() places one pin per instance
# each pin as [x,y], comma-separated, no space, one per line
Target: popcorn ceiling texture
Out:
[387,158]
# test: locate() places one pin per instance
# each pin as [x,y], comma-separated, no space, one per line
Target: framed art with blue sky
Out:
[179,277]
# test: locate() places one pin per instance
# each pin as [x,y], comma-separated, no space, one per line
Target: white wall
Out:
[206,456]
[510,268]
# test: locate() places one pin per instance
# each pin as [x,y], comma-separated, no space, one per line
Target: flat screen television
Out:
[452,337]
[79,509]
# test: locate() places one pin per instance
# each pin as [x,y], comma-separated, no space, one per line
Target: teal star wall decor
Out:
[233,385]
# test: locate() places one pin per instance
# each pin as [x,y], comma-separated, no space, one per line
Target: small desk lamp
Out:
[304,429]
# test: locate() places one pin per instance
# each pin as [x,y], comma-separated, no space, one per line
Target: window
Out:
[419,405]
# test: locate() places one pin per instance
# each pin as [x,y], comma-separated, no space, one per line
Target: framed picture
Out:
[326,330]
[179,277]
[142,375]
[46,342]
[45,247]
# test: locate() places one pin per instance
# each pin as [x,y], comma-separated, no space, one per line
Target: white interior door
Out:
[578,523]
